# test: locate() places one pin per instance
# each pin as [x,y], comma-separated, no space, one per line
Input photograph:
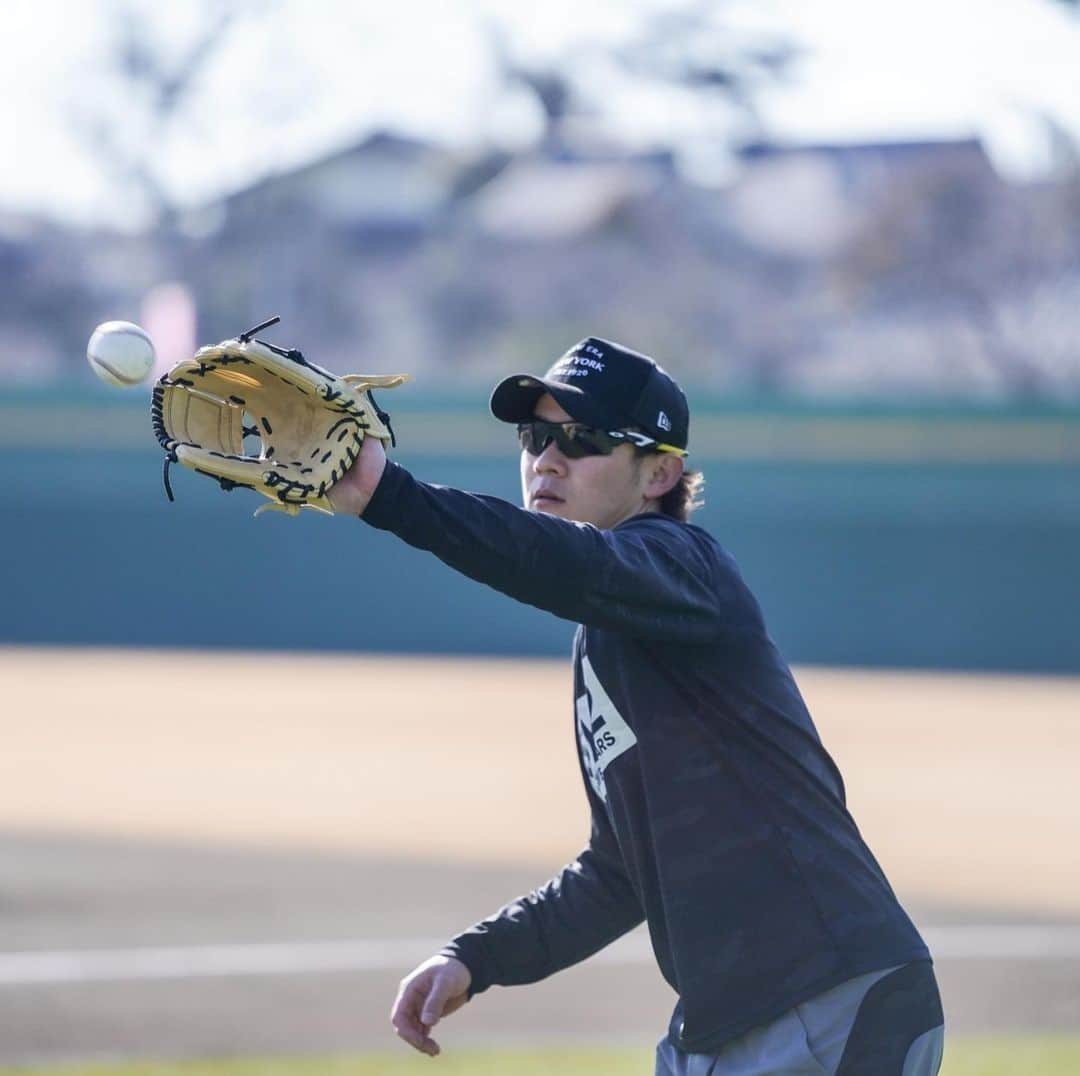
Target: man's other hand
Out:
[435,989]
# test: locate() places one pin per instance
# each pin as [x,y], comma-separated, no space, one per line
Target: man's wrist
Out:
[380,505]
[481,976]
[371,493]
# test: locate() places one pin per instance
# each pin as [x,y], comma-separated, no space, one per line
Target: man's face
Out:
[602,490]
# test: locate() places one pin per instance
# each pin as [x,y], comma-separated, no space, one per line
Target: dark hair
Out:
[684,497]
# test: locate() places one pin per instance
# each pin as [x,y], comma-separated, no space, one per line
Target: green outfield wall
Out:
[944,538]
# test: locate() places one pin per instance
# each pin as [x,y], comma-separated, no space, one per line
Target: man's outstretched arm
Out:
[648,578]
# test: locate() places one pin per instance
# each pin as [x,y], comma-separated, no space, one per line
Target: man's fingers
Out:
[435,1002]
[409,1024]
[418,1040]
[405,1015]
[436,989]
[417,1037]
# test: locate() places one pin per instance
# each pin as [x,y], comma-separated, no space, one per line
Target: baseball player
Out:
[718,818]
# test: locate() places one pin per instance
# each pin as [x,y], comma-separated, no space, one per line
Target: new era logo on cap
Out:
[663,422]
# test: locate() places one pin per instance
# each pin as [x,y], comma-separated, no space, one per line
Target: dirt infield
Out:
[964,785]
[164,799]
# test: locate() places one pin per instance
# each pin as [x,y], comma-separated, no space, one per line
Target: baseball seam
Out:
[116,373]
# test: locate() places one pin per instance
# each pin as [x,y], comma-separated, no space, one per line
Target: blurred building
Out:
[849,270]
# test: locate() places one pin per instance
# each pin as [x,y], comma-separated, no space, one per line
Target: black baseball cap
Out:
[605,385]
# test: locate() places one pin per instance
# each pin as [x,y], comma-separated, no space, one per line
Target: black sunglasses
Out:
[575,440]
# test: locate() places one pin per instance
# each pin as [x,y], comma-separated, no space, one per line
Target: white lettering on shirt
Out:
[602,733]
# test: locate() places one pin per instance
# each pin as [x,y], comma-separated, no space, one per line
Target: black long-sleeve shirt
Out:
[717,815]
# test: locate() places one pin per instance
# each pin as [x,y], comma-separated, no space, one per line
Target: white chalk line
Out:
[1016,942]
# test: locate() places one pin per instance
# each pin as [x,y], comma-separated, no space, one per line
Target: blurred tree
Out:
[694,48]
[153,70]
[689,46]
[549,84]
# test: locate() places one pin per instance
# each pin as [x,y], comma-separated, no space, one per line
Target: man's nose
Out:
[550,460]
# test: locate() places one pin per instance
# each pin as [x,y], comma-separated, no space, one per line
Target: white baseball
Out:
[120,353]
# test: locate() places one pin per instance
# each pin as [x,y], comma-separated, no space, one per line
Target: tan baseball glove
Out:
[308,422]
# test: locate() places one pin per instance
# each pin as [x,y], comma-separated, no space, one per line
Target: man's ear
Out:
[663,471]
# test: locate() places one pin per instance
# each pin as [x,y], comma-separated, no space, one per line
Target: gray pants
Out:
[850,1029]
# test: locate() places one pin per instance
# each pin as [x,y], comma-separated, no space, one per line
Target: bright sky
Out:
[311,76]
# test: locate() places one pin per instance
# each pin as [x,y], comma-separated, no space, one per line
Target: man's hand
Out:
[350,494]
[436,989]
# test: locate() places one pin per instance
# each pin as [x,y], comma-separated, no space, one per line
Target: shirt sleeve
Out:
[586,906]
[650,576]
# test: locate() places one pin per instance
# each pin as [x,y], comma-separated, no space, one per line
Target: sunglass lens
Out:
[586,442]
[573,441]
[533,437]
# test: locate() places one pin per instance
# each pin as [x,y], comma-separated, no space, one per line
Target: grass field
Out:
[1019,1056]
